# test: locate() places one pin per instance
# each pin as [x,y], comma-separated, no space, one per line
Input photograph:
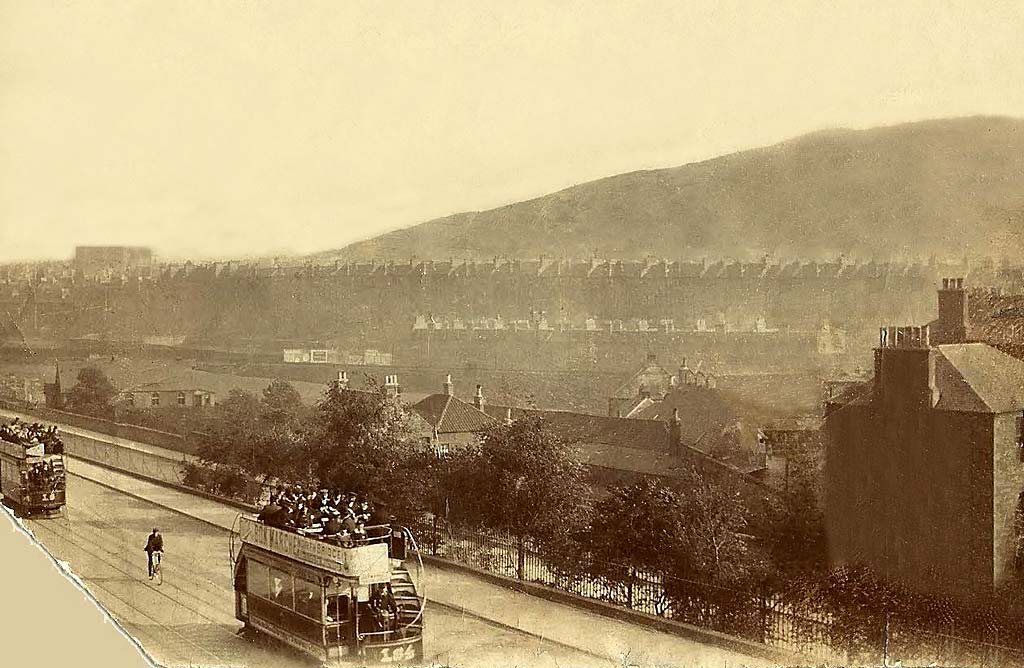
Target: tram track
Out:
[171,567]
[141,612]
[102,524]
[101,553]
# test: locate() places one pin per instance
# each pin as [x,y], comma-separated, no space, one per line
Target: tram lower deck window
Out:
[258,576]
[281,589]
[307,599]
[337,608]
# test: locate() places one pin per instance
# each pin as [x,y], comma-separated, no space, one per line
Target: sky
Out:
[223,129]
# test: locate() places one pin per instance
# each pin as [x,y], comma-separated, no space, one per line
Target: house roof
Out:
[450,415]
[702,410]
[635,460]
[620,432]
[975,377]
[162,387]
[970,377]
[628,389]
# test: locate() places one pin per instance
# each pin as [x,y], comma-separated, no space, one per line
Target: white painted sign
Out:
[368,564]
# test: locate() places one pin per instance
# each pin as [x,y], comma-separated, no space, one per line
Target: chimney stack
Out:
[391,388]
[448,387]
[675,433]
[343,379]
[478,398]
[953,312]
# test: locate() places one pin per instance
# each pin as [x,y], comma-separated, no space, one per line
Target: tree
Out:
[281,401]
[794,531]
[716,547]
[247,435]
[525,479]
[91,393]
[640,525]
[362,442]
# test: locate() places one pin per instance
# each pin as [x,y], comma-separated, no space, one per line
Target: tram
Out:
[32,476]
[357,602]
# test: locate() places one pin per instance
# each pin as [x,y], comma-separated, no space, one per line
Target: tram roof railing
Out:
[366,562]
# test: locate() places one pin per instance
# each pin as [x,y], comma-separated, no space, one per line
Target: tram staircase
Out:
[408,600]
[58,469]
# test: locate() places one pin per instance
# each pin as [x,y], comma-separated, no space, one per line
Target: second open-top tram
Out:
[32,476]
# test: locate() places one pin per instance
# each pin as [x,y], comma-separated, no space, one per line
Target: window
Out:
[258,577]
[181,398]
[129,399]
[441,449]
[319,356]
[154,399]
[281,590]
[337,608]
[308,599]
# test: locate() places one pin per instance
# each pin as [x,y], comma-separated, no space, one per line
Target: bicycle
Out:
[158,574]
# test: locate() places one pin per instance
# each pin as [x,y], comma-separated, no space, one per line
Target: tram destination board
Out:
[368,564]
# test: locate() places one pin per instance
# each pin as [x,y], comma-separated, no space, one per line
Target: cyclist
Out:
[154,544]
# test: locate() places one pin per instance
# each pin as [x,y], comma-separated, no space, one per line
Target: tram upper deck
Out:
[364,561]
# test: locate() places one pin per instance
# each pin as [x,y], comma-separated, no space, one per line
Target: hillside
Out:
[945,187]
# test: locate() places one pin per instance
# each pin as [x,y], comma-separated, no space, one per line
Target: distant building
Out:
[650,384]
[93,261]
[312,356]
[150,388]
[18,388]
[793,447]
[370,358]
[925,463]
[160,395]
[450,421]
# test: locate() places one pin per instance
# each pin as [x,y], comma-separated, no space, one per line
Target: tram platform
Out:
[603,637]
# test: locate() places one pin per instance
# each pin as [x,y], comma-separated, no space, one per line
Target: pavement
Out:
[607,640]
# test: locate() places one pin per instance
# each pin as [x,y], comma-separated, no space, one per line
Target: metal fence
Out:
[809,628]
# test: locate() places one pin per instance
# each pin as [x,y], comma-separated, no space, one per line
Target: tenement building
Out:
[925,462]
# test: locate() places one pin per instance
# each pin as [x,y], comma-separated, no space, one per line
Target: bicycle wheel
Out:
[158,572]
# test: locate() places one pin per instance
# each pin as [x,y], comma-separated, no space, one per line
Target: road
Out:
[189,619]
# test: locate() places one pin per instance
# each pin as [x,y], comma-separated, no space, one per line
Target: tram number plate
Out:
[397,654]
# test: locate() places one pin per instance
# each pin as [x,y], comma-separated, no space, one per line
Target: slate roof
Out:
[701,410]
[975,377]
[644,435]
[450,415]
[970,377]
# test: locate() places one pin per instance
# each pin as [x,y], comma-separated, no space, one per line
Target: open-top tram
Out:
[351,601]
[32,476]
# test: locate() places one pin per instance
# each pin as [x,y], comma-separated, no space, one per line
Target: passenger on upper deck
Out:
[341,518]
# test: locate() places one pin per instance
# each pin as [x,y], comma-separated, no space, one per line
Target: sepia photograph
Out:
[510,335]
